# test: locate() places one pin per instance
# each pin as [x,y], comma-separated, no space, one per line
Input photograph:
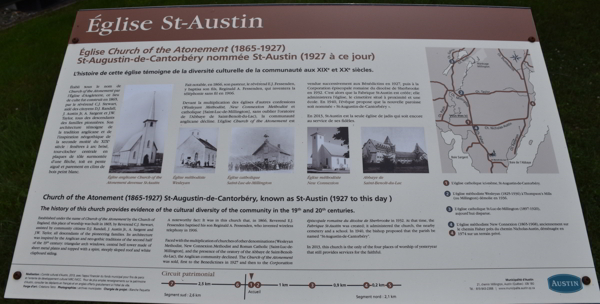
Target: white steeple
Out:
[317,142]
[152,109]
[147,147]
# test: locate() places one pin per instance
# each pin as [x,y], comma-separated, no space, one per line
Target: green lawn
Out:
[31,55]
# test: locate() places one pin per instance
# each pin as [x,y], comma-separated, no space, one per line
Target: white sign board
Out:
[304,154]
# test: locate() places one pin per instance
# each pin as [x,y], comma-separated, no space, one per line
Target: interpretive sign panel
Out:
[304,154]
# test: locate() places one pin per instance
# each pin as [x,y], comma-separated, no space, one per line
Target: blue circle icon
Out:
[451,224]
[461,92]
[447,193]
[449,209]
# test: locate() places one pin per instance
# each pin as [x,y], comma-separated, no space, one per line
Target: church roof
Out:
[418,149]
[412,154]
[335,150]
[206,144]
[132,140]
[275,148]
[378,144]
[405,154]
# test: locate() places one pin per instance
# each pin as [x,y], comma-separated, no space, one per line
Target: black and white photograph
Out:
[328,150]
[196,150]
[394,150]
[262,150]
[141,130]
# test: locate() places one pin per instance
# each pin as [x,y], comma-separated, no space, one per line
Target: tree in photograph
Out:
[387,164]
[342,134]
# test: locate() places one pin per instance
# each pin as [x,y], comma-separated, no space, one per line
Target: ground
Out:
[135,169]
[328,171]
[401,169]
[10,15]
[194,170]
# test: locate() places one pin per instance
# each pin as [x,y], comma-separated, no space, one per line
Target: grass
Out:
[31,55]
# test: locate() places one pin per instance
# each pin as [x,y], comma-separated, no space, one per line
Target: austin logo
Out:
[564,283]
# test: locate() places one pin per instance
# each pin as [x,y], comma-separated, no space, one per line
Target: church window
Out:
[151,155]
[151,124]
[327,162]
[196,156]
[148,144]
[338,161]
[344,161]
[133,154]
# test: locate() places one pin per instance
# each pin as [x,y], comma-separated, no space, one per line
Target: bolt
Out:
[586,280]
[531,39]
[17,275]
[75,40]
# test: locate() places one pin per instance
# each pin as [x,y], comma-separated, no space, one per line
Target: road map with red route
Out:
[484,105]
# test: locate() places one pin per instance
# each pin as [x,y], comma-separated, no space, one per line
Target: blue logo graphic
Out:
[564,283]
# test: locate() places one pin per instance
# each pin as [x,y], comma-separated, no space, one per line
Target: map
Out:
[485,106]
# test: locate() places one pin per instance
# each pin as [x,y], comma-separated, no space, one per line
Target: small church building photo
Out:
[197,150]
[268,151]
[326,153]
[138,152]
[275,154]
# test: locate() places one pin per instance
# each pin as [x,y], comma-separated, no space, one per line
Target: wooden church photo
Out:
[140,135]
[262,150]
[328,150]
[394,150]
[196,150]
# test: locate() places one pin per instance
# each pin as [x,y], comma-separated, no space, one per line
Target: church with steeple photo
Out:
[140,149]
[328,150]
[139,152]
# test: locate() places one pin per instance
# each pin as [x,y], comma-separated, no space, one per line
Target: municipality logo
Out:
[564,283]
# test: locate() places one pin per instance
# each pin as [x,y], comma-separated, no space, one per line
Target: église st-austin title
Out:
[119,24]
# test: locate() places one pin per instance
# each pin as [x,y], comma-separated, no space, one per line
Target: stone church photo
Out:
[196,150]
[394,150]
[328,150]
[140,134]
[262,150]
